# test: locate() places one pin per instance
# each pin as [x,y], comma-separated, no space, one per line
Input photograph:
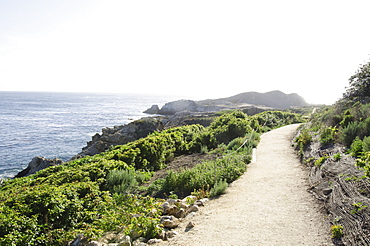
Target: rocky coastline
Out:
[172,114]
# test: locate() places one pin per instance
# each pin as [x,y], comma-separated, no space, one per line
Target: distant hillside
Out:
[273,99]
[264,101]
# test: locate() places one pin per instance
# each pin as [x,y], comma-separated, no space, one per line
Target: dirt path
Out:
[268,205]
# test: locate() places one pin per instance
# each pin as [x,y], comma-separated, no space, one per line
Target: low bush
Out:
[349,133]
[356,147]
[327,135]
[205,174]
[336,231]
[366,144]
[364,162]
[229,126]
[121,181]
[272,119]
[303,140]
[218,189]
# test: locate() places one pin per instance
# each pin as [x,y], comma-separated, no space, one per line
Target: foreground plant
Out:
[336,231]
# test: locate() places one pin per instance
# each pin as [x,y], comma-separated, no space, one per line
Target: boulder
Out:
[37,164]
[192,208]
[190,225]
[171,234]
[152,110]
[169,222]
[172,108]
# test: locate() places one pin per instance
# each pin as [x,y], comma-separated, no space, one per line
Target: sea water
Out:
[58,125]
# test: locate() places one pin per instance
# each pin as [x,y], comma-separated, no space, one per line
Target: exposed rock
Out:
[119,135]
[190,199]
[79,241]
[169,221]
[154,241]
[171,234]
[123,240]
[153,110]
[192,208]
[200,203]
[181,213]
[327,191]
[139,242]
[37,164]
[190,225]
[178,106]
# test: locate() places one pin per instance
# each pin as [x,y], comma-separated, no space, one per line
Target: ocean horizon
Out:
[59,124]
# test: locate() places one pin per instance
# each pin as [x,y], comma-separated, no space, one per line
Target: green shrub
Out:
[349,133]
[248,142]
[356,147]
[354,129]
[121,181]
[303,140]
[235,143]
[205,174]
[347,118]
[321,161]
[229,126]
[273,119]
[366,144]
[218,189]
[364,162]
[337,157]
[336,231]
[364,130]
[154,151]
[327,135]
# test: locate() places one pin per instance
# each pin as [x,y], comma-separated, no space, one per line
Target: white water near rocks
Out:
[59,124]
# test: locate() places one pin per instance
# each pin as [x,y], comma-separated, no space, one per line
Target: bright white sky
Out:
[197,48]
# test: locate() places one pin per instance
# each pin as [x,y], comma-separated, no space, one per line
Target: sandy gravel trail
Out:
[268,205]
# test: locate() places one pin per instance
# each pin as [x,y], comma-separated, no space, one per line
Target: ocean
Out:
[58,125]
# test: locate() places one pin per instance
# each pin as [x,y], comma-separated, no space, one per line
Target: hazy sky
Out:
[203,49]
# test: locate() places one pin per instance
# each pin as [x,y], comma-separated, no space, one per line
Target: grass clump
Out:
[219,188]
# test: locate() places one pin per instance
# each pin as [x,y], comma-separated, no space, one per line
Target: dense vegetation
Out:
[101,193]
[347,122]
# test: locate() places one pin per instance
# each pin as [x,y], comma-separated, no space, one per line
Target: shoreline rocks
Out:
[37,164]
[119,135]
[152,110]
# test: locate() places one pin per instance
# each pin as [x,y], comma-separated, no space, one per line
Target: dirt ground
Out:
[268,205]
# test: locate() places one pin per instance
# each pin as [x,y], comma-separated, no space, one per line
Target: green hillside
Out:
[116,191]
